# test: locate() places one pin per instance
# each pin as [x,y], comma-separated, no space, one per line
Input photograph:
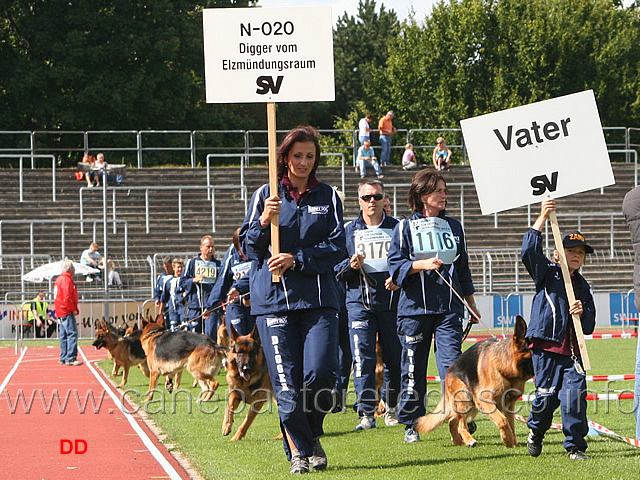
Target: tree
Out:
[360,46]
[107,64]
[477,56]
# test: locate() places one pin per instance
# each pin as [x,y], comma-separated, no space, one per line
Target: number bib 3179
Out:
[374,244]
[432,237]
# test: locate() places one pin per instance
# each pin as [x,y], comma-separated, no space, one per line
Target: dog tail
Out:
[434,419]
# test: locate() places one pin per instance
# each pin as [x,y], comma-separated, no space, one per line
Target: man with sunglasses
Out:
[371,305]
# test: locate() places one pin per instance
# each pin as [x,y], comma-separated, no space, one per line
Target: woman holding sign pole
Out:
[426,249]
[297,317]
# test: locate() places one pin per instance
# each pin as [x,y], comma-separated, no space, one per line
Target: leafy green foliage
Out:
[106,64]
[471,57]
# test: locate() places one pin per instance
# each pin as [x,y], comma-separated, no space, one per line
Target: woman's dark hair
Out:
[302,133]
[425,182]
[236,240]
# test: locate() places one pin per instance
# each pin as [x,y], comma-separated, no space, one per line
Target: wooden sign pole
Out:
[586,363]
[273,181]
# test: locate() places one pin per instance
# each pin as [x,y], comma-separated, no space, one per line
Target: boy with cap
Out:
[560,378]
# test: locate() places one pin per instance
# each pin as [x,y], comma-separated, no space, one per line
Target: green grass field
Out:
[195,431]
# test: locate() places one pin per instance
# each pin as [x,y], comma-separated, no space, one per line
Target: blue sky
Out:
[401,7]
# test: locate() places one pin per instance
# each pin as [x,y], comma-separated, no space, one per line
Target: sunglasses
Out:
[367,198]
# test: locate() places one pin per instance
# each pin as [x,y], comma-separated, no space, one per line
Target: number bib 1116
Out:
[432,237]
[374,244]
[240,270]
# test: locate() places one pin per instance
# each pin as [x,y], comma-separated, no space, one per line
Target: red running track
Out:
[33,424]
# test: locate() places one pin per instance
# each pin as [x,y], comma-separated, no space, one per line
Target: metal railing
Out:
[192,142]
[147,189]
[23,269]
[244,161]
[33,158]
[63,223]
[395,186]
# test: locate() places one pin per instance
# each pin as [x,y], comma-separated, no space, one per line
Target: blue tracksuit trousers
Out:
[364,326]
[415,336]
[301,350]
[558,384]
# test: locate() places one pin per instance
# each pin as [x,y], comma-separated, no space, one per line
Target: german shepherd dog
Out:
[169,352]
[248,380]
[488,377]
[124,351]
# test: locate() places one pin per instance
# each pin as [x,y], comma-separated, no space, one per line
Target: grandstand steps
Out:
[164,234]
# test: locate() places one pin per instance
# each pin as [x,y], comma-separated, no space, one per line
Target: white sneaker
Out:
[391,417]
[89,279]
[366,423]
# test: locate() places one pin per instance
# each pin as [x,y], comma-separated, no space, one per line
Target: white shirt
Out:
[363,125]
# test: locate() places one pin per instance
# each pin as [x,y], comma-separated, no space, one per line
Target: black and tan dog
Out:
[248,380]
[169,352]
[489,377]
[124,351]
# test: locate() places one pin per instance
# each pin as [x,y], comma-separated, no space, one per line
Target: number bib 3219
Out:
[432,237]
[374,244]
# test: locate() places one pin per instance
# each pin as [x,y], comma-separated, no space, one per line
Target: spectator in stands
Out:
[160,281]
[65,297]
[90,176]
[631,210]
[366,156]
[114,276]
[385,125]
[557,366]
[197,280]
[441,155]
[92,258]
[40,317]
[427,308]
[364,130]
[297,317]
[100,167]
[409,158]
[173,297]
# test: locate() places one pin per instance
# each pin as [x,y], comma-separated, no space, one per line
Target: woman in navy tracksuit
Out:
[235,266]
[297,317]
[557,365]
[421,244]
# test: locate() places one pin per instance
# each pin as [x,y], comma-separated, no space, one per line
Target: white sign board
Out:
[268,54]
[551,148]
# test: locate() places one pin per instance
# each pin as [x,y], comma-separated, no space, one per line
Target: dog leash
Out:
[185,324]
[471,311]
[365,278]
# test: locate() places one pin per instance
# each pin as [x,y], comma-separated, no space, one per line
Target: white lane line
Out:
[13,370]
[173,474]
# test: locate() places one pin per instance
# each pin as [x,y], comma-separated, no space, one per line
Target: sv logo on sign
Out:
[541,183]
[266,84]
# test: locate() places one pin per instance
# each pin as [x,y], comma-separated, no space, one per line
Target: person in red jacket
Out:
[66,305]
